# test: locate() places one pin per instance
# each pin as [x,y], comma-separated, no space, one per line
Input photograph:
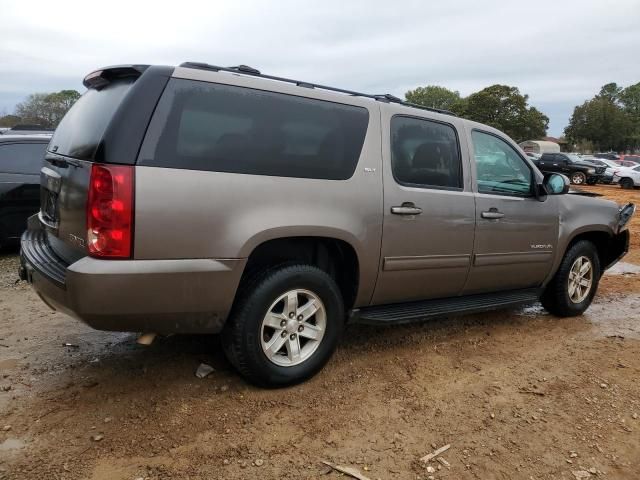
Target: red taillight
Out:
[110,211]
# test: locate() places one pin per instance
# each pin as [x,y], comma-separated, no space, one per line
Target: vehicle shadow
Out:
[10,250]
[175,358]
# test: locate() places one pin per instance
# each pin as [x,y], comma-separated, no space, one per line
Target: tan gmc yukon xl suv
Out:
[204,199]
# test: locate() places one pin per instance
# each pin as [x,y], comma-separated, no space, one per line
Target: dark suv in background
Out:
[21,159]
[578,171]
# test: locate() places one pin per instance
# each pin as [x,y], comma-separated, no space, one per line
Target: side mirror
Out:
[556,184]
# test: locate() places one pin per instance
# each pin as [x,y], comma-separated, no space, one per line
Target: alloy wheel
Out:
[580,279]
[293,327]
[577,178]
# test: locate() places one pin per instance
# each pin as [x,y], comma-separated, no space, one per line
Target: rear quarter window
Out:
[222,128]
[23,158]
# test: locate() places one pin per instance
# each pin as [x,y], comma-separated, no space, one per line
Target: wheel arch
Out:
[597,233]
[610,247]
[336,256]
[599,238]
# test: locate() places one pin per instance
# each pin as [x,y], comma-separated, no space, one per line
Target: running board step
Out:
[422,310]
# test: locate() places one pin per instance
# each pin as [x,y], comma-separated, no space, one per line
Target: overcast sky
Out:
[557,52]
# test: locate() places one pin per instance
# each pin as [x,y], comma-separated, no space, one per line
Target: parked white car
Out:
[627,177]
[610,165]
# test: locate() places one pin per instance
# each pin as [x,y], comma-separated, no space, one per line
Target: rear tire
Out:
[567,294]
[578,178]
[265,338]
[627,183]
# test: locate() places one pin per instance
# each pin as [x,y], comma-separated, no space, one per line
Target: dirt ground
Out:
[517,394]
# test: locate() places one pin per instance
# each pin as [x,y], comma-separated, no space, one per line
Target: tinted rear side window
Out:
[23,158]
[204,126]
[82,128]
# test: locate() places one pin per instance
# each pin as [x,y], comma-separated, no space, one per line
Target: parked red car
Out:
[628,160]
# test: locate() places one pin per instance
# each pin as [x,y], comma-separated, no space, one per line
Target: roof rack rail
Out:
[247,70]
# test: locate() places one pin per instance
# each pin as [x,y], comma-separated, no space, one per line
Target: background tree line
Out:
[609,121]
[44,109]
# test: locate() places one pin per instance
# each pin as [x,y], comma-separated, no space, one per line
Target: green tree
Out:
[602,122]
[610,92]
[46,109]
[630,100]
[436,97]
[506,109]
[9,120]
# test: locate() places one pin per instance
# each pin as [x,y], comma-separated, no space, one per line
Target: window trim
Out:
[420,185]
[501,194]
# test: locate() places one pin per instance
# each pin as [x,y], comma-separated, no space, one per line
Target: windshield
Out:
[611,163]
[573,157]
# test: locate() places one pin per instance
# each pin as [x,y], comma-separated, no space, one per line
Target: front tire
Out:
[578,178]
[285,325]
[574,285]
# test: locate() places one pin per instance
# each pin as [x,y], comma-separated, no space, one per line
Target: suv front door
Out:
[516,234]
[428,210]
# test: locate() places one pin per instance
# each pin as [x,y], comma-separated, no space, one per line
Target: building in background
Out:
[540,146]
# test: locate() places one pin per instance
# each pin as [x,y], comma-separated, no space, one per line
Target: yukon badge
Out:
[546,246]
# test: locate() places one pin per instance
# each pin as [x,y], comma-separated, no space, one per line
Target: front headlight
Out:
[591,171]
[624,215]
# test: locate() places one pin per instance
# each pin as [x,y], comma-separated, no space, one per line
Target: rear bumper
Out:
[160,296]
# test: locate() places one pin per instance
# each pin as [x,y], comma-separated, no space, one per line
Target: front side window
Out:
[500,170]
[223,128]
[425,153]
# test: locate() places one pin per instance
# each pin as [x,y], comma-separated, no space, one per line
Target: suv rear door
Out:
[516,234]
[428,208]
[106,125]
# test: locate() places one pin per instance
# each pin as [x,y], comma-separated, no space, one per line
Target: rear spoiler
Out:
[102,77]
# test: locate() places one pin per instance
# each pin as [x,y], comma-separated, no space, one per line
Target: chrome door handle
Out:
[407,208]
[492,214]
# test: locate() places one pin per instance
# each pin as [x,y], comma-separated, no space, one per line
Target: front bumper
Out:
[160,296]
[595,178]
[608,179]
[617,248]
